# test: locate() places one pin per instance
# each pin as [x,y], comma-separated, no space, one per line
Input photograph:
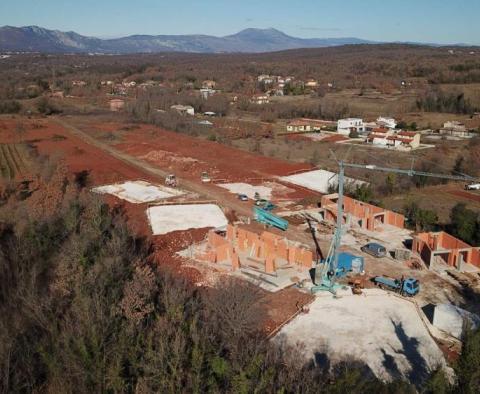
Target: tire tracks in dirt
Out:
[151,170]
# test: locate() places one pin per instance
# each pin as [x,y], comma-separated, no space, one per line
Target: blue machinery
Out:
[326,270]
[268,218]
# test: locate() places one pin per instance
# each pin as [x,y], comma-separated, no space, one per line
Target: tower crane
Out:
[325,277]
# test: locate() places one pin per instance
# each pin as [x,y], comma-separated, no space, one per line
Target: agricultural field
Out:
[13,162]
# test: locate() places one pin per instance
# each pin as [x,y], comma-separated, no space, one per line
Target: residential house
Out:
[311,83]
[307,125]
[266,79]
[378,136]
[207,92]
[260,99]
[79,83]
[391,139]
[129,84]
[183,109]
[456,129]
[389,123]
[404,139]
[346,126]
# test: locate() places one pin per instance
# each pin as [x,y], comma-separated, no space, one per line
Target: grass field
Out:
[12,160]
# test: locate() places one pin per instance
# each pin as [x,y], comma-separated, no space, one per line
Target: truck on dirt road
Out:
[406,287]
[472,186]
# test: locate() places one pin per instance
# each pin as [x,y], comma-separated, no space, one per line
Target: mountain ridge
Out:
[253,40]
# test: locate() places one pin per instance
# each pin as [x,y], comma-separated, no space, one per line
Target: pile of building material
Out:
[319,180]
[381,330]
[137,192]
[164,219]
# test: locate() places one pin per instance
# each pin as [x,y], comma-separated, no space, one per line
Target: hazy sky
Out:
[440,21]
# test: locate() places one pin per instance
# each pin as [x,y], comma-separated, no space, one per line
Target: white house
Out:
[389,123]
[345,126]
[456,129]
[207,92]
[183,109]
[267,79]
[260,99]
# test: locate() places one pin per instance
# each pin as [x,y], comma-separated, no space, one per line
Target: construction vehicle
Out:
[205,177]
[407,287]
[325,270]
[268,218]
[265,204]
[171,180]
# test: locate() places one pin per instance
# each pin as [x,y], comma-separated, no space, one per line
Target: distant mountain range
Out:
[38,39]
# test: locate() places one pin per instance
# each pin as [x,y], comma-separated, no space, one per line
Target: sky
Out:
[434,21]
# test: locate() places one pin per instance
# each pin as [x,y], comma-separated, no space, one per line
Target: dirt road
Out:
[206,191]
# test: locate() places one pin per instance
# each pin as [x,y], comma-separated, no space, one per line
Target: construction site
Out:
[326,263]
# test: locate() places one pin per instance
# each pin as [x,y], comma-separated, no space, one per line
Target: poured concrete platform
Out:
[379,329]
[137,192]
[164,219]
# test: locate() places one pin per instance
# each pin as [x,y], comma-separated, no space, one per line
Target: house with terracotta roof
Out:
[391,139]
[307,125]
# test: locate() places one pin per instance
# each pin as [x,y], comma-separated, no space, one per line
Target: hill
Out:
[38,39]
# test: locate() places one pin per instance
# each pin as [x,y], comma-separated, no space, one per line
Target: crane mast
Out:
[327,272]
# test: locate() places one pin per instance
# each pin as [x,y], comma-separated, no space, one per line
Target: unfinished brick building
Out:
[443,247]
[361,214]
[265,251]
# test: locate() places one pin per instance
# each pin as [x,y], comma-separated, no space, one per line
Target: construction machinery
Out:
[407,287]
[265,204]
[268,218]
[171,180]
[326,269]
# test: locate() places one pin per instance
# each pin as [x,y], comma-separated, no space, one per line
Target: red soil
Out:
[466,195]
[334,138]
[51,139]
[190,156]
[167,246]
[282,305]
